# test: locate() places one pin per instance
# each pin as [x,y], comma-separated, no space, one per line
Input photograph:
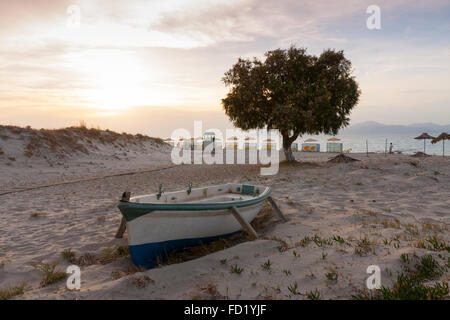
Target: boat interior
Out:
[217,193]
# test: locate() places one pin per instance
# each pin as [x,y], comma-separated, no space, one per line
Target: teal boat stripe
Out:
[131,210]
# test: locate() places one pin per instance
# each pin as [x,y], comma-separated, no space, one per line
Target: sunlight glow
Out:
[115,80]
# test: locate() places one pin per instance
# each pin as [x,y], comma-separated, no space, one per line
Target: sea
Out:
[404,143]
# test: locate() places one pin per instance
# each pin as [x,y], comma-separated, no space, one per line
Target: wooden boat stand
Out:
[236,214]
[123,223]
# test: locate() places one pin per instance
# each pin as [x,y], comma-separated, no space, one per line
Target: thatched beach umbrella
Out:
[181,140]
[334,139]
[310,140]
[443,136]
[424,136]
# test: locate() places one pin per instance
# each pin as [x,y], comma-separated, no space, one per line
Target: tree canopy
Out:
[293,92]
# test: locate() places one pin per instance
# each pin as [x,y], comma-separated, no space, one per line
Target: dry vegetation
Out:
[50,273]
[12,291]
[264,220]
[413,282]
[68,141]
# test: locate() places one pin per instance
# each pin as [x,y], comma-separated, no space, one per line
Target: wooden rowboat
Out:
[165,221]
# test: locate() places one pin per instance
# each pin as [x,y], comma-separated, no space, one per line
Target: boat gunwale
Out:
[133,210]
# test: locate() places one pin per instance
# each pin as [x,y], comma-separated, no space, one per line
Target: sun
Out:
[115,80]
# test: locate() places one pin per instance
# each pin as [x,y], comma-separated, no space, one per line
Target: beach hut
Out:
[249,143]
[334,145]
[198,143]
[188,144]
[424,136]
[193,144]
[218,143]
[232,143]
[310,145]
[269,144]
[208,138]
[443,136]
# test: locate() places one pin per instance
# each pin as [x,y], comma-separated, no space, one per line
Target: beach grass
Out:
[313,295]
[111,253]
[266,265]
[142,282]
[68,255]
[236,269]
[293,288]
[410,283]
[433,243]
[12,291]
[50,274]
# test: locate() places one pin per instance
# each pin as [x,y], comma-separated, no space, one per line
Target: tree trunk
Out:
[288,153]
[287,142]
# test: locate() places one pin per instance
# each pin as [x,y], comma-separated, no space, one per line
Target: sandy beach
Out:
[342,218]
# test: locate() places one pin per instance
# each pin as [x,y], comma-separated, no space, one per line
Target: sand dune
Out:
[35,157]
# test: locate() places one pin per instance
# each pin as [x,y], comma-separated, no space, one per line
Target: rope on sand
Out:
[27,188]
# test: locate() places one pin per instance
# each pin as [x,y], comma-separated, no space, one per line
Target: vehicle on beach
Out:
[166,221]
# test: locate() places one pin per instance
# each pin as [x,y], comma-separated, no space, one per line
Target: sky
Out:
[156,66]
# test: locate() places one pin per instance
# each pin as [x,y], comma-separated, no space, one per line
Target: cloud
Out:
[239,21]
[179,50]
[211,23]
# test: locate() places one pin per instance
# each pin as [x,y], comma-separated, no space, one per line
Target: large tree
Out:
[293,92]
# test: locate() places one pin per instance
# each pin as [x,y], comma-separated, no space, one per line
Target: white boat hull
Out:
[152,235]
